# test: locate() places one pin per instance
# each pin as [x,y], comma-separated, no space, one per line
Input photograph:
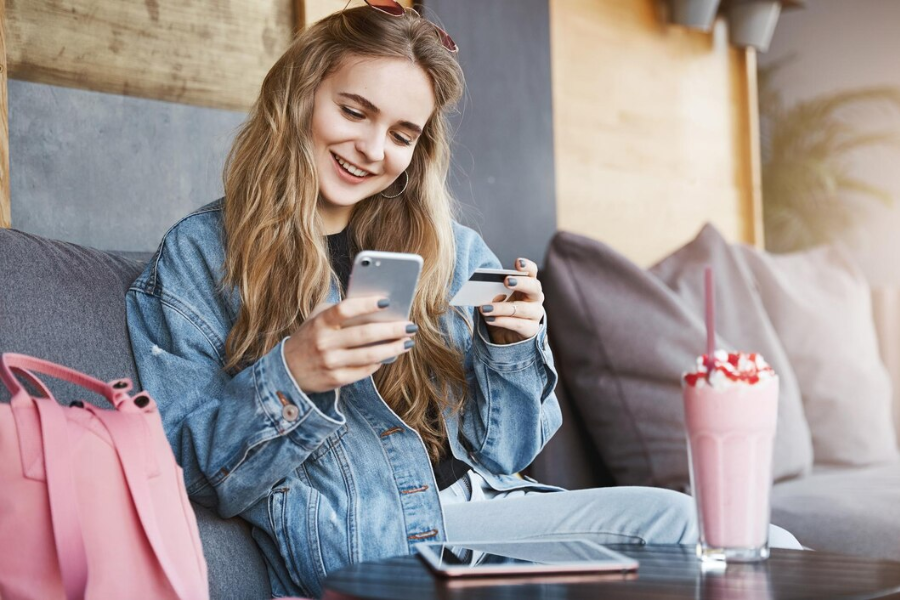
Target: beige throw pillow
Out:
[742,324]
[820,304]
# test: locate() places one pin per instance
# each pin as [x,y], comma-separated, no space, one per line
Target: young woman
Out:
[281,414]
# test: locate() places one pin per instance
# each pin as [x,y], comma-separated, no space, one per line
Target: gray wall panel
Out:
[114,172]
[503,158]
[110,171]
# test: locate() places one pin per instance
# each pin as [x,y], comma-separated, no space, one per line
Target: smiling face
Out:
[367,118]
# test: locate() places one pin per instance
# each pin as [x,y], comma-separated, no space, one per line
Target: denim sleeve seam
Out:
[260,402]
[487,429]
[513,344]
[483,346]
[201,484]
[155,270]
[501,367]
[314,409]
[244,451]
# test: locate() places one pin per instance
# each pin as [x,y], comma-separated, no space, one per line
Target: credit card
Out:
[483,286]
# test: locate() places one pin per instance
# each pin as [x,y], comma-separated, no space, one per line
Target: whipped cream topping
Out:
[731,368]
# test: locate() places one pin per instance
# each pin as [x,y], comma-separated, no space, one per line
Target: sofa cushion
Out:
[624,337]
[820,304]
[66,303]
[236,566]
[570,459]
[841,509]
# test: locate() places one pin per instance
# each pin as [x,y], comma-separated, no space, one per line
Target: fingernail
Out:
[511,282]
[490,319]
[521,263]
[384,303]
[412,328]
[487,308]
[408,344]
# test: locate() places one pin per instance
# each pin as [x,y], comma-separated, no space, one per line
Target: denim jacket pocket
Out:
[297,534]
[282,522]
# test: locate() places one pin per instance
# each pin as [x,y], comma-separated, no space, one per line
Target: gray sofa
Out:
[65,303]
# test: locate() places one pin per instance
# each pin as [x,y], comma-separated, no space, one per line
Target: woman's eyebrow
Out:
[376,110]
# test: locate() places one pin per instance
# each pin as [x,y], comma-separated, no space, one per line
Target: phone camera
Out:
[365,262]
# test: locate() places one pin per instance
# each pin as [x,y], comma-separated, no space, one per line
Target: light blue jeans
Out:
[474,512]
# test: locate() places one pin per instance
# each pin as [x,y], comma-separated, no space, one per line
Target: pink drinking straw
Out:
[710,322]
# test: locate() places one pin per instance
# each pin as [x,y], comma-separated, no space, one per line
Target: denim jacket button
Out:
[290,412]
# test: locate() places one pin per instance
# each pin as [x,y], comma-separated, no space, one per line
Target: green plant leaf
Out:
[850,184]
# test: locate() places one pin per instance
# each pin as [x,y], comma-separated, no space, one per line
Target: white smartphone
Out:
[391,275]
[519,557]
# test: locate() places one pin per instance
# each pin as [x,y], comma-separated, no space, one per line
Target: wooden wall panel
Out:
[204,52]
[4,126]
[654,128]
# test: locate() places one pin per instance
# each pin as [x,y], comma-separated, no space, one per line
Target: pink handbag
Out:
[92,502]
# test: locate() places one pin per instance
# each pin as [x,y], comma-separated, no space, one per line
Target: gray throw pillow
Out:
[624,336]
[821,306]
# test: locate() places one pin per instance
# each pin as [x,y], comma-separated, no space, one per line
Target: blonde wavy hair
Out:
[276,250]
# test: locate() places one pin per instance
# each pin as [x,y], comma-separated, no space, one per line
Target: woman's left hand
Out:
[519,317]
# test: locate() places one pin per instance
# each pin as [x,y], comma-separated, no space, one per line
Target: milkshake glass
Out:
[730,416]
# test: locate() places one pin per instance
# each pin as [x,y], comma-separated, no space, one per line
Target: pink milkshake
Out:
[730,414]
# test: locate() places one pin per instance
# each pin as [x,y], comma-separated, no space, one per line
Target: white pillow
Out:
[820,305]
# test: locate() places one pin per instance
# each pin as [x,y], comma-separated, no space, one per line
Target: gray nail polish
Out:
[511,282]
[487,308]
[490,319]
[408,344]
[412,328]
[521,263]
[384,303]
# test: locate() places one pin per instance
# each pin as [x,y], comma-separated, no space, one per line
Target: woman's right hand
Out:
[323,355]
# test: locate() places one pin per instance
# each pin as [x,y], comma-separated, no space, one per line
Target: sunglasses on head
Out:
[395,9]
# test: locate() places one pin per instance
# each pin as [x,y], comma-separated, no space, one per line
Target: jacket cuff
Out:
[506,356]
[306,418]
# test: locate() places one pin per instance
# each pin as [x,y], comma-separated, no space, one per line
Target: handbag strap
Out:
[20,362]
[67,531]
[132,447]
[30,378]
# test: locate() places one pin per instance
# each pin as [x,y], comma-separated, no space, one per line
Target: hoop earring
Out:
[400,193]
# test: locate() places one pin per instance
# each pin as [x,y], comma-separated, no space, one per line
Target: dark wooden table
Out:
[665,572]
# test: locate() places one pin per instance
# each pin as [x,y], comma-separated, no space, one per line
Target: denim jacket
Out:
[325,479]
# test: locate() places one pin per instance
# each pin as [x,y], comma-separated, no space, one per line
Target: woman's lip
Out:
[344,174]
